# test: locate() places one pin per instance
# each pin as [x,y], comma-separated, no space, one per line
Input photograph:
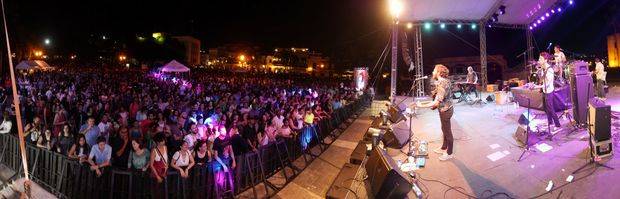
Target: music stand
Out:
[592,148]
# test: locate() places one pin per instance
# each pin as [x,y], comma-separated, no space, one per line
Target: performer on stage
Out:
[559,59]
[443,103]
[600,73]
[472,80]
[547,89]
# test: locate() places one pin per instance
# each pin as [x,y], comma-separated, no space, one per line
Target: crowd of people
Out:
[152,123]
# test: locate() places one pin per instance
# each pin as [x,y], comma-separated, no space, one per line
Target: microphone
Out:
[421,78]
[549,46]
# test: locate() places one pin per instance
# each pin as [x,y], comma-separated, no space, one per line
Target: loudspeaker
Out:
[395,115]
[395,139]
[580,85]
[490,98]
[386,179]
[600,120]
[579,68]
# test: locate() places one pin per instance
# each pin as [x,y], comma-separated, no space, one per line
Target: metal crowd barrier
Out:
[68,178]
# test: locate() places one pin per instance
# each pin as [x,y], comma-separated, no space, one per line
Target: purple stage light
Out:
[570,2]
[531,28]
[547,14]
[543,18]
[559,9]
[538,21]
[552,11]
[535,25]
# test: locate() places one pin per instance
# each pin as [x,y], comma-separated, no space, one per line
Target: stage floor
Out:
[486,156]
[485,160]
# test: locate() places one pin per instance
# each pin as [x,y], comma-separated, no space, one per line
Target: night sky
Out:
[352,30]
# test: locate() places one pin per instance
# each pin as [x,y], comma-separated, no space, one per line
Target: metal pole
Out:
[483,55]
[18,114]
[394,68]
[419,63]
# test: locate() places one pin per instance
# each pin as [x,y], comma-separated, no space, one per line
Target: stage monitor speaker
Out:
[396,138]
[386,179]
[600,120]
[580,84]
[522,137]
[395,115]
[490,98]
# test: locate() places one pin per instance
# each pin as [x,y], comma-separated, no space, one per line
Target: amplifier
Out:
[602,149]
[600,120]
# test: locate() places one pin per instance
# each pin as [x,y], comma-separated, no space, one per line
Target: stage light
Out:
[395,8]
[489,25]
[502,10]
[552,11]
[442,25]
[531,28]
[535,24]
[473,26]
[409,25]
[559,9]
[494,18]
[542,18]
[570,2]
[47,41]
[427,25]
[459,26]
[538,21]
[547,14]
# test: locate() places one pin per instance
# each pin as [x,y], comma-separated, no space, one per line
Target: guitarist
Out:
[443,103]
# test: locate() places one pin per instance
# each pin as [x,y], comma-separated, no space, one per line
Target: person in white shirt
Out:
[547,89]
[5,126]
[600,73]
[559,59]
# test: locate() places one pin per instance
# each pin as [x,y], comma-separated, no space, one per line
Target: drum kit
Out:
[537,73]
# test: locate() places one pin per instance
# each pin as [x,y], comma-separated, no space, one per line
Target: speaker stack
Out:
[582,90]
[600,129]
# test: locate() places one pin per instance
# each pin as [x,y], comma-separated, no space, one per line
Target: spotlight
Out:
[542,18]
[547,14]
[458,26]
[409,25]
[494,18]
[552,11]
[473,26]
[531,27]
[427,25]
[502,10]
[559,9]
[442,25]
[535,24]
[570,2]
[538,21]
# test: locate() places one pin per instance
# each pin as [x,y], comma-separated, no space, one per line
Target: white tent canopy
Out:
[33,64]
[518,12]
[174,66]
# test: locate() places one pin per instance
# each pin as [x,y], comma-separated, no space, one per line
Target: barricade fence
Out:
[67,178]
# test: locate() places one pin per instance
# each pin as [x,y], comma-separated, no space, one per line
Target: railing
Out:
[68,178]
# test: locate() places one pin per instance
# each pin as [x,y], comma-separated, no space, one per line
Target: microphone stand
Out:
[592,147]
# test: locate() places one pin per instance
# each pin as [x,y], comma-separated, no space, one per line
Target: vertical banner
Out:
[360,78]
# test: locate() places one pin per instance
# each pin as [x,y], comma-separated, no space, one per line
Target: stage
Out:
[485,160]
